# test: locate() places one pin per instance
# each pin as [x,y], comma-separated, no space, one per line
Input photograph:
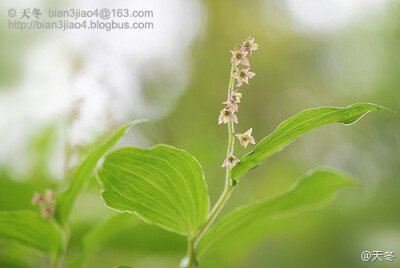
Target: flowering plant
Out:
[165,186]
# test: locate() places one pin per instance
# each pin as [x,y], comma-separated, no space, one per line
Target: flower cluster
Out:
[227,114]
[46,203]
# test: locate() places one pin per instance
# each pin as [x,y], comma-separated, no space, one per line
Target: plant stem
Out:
[191,252]
[192,242]
[231,128]
[58,262]
[216,209]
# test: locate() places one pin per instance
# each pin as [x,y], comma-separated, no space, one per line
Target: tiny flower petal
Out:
[221,119]
[248,132]
[245,61]
[251,140]
[236,74]
[251,74]
[233,118]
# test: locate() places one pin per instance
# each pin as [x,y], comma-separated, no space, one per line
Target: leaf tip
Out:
[138,121]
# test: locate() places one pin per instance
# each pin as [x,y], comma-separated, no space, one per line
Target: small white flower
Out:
[227,114]
[236,96]
[242,75]
[50,196]
[246,138]
[230,161]
[232,103]
[47,212]
[37,199]
[239,56]
[249,45]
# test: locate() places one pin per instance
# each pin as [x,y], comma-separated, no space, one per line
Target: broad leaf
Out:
[163,185]
[295,127]
[29,228]
[15,195]
[312,189]
[100,234]
[66,200]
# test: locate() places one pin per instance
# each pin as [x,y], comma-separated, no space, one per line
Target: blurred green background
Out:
[312,53]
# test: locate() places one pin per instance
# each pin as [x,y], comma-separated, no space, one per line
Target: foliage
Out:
[163,185]
[166,186]
[51,235]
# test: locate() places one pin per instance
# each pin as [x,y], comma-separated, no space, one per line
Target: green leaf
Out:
[101,234]
[123,266]
[295,127]
[29,228]
[312,189]
[163,185]
[66,200]
[15,195]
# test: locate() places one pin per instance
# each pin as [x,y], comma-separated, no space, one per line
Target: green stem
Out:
[231,128]
[191,253]
[60,258]
[192,242]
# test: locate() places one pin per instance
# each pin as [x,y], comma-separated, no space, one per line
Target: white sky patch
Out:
[329,15]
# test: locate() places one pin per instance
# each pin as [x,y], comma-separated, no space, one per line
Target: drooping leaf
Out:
[298,125]
[66,200]
[29,228]
[163,185]
[312,189]
[100,234]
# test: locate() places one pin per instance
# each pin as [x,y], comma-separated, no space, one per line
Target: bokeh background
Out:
[62,93]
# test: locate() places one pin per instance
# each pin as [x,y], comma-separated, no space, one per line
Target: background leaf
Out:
[32,230]
[84,172]
[163,185]
[312,189]
[100,234]
[298,125]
